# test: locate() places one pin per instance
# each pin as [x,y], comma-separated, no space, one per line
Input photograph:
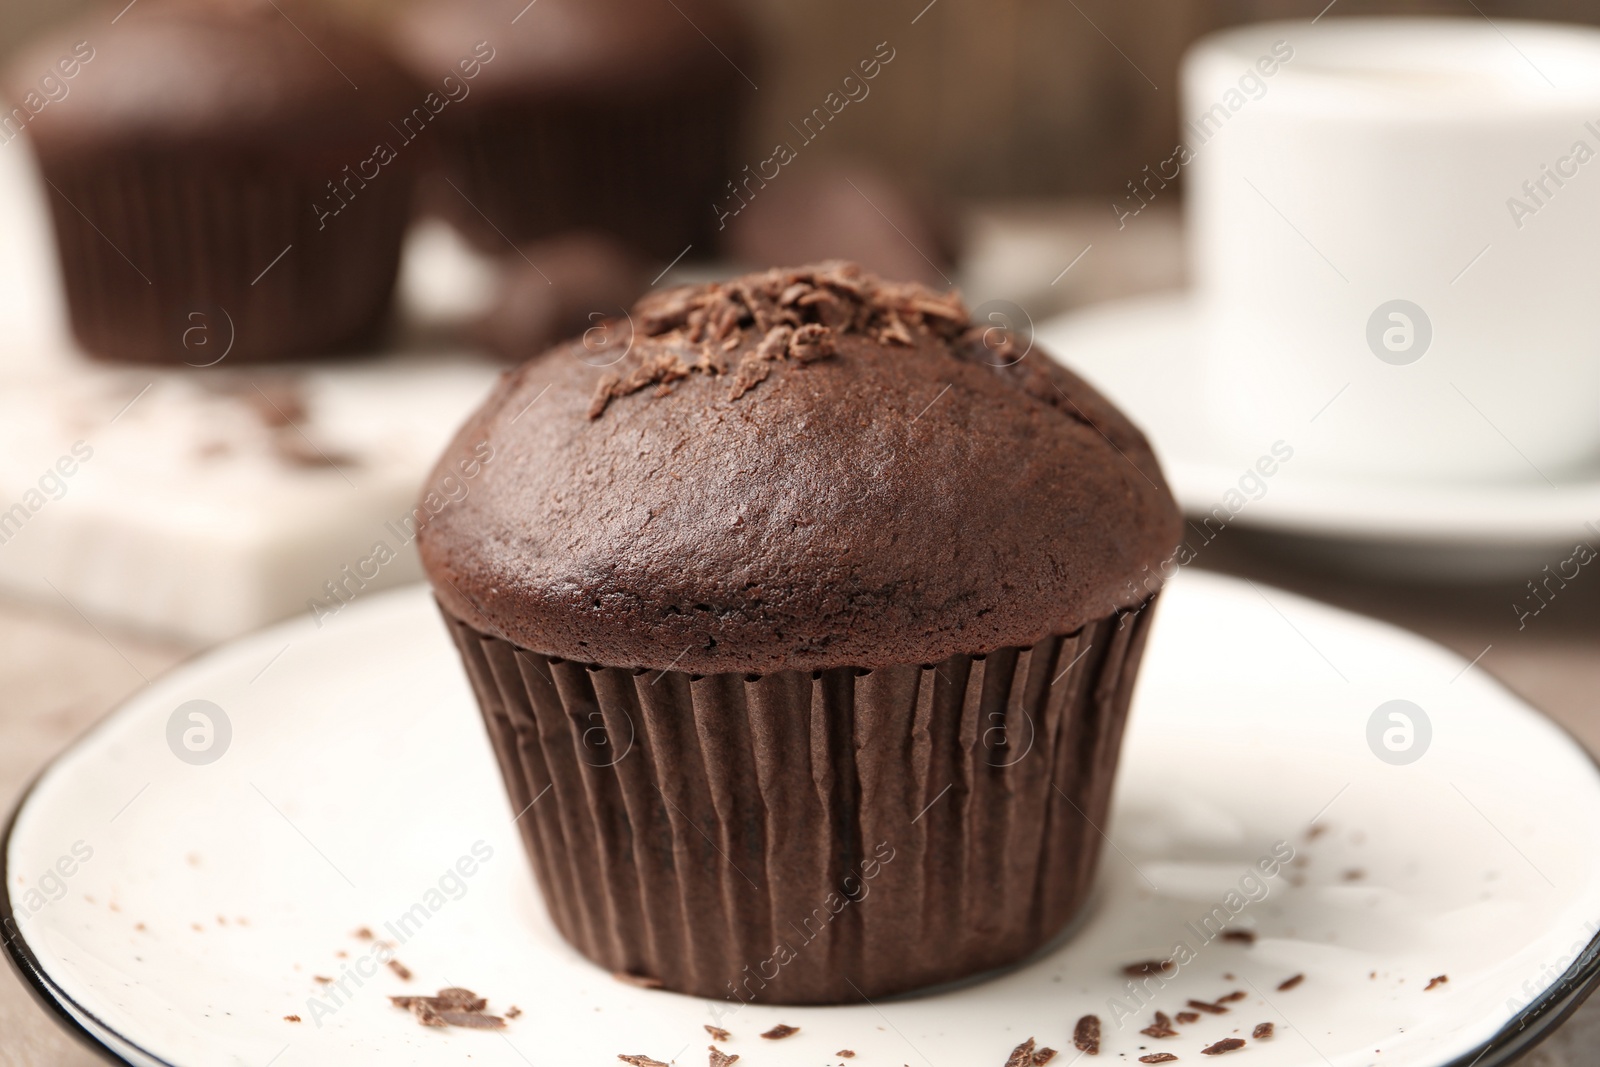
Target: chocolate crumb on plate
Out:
[513,1012]
[720,1058]
[1227,1044]
[642,981]
[1162,1027]
[452,1006]
[472,1020]
[718,1033]
[846,1053]
[322,979]
[782,1030]
[1237,994]
[1086,1035]
[1207,1007]
[1262,1032]
[364,934]
[1022,1055]
[1242,937]
[1434,983]
[426,1013]
[291,1018]
[1187,1017]
[1150,969]
[1158,1057]
[640,1061]
[400,970]
[1289,983]
[1354,874]
[275,403]
[1043,1056]
[454,999]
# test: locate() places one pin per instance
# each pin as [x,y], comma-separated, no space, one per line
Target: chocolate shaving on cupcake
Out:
[746,328]
[1086,1035]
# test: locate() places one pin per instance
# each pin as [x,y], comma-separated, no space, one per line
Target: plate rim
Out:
[67,1013]
[1535,1022]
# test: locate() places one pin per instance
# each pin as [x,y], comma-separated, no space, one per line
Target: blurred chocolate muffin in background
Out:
[222,170]
[615,115]
[843,210]
[578,284]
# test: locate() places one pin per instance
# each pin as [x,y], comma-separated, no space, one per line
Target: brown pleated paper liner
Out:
[168,260]
[651,171]
[805,838]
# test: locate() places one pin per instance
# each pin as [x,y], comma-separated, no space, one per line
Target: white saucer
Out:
[1144,355]
[204,900]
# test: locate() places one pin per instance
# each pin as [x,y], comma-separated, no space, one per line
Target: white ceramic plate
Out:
[1144,355]
[192,907]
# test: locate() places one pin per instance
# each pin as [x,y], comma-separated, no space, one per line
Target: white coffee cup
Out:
[1395,240]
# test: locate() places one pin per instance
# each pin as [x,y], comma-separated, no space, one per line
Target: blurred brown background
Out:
[986,98]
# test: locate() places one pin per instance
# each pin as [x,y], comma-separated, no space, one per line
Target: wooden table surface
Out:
[58,674]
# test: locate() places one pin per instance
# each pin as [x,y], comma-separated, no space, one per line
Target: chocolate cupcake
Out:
[223,179]
[612,115]
[804,633]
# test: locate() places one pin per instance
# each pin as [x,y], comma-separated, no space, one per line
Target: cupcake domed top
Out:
[249,75]
[799,469]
